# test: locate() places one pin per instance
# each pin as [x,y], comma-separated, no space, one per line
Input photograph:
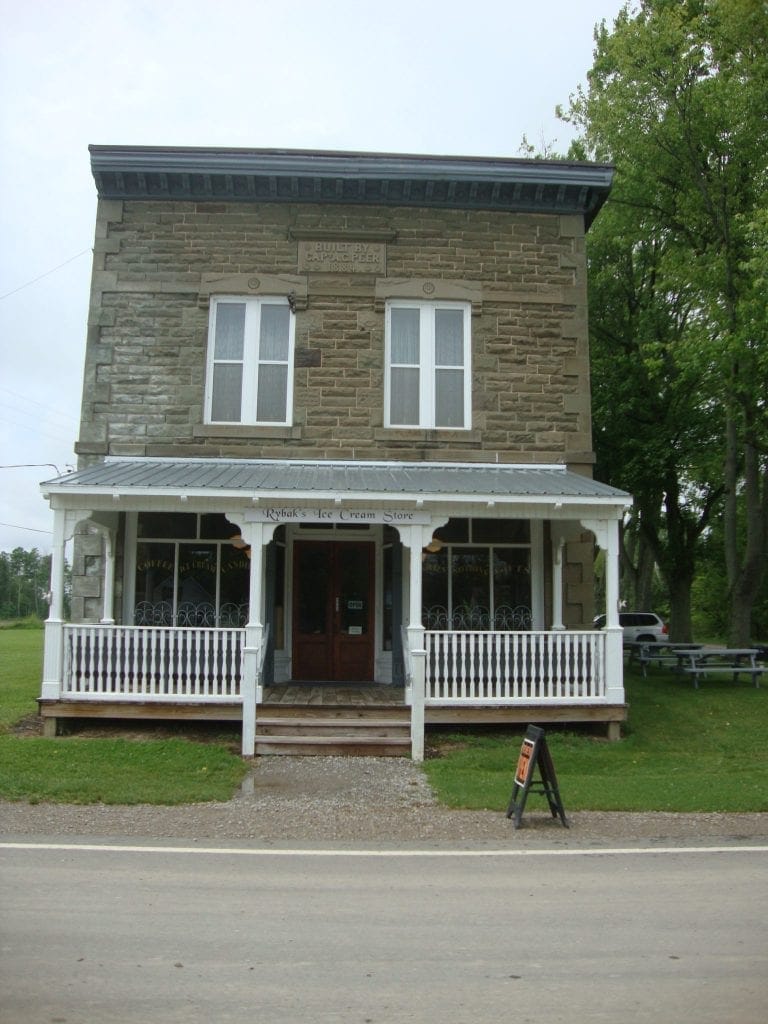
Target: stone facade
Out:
[157,263]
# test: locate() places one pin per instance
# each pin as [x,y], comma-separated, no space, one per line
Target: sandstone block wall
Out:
[157,264]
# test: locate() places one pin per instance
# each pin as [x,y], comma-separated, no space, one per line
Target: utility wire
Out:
[31,429]
[13,526]
[42,405]
[32,465]
[46,274]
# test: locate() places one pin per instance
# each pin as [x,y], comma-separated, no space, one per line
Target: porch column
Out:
[64,523]
[108,536]
[257,536]
[607,536]
[562,532]
[414,539]
[558,546]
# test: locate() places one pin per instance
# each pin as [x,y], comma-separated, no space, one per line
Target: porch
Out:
[458,677]
[212,578]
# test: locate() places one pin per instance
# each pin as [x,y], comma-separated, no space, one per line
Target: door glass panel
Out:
[314,579]
[279,592]
[386,602]
[353,590]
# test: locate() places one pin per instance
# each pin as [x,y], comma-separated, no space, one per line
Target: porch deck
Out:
[358,700]
[309,694]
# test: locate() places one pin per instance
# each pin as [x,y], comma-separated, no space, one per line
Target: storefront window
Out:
[470,588]
[155,575]
[186,582]
[475,585]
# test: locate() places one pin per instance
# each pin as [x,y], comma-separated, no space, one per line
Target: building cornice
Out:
[382,179]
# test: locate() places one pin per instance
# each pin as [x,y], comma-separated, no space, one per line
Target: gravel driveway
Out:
[315,800]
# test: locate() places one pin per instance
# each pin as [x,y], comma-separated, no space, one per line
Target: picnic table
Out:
[711,661]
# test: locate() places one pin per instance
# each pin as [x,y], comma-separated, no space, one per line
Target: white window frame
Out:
[251,360]
[427,365]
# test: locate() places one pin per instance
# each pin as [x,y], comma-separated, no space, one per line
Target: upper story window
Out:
[428,379]
[249,376]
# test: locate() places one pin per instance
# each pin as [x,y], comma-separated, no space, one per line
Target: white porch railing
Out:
[152,663]
[504,668]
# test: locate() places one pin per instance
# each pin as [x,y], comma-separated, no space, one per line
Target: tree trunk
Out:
[680,629]
[745,562]
[646,565]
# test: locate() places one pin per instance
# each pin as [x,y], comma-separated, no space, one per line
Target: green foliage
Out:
[678,261]
[686,750]
[30,622]
[24,582]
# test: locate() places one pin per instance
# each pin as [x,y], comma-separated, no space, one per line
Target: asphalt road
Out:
[173,933]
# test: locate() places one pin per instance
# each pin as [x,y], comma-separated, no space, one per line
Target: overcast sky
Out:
[414,76]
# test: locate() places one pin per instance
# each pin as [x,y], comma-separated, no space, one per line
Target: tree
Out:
[677,99]
[24,583]
[653,432]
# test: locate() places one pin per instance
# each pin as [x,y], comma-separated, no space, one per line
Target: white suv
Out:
[639,627]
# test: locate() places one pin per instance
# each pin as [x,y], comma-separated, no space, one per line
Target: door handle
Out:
[337,604]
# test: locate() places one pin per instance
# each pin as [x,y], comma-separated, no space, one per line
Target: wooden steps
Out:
[352,731]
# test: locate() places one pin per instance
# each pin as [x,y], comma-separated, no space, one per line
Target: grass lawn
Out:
[82,770]
[684,750]
[21,667]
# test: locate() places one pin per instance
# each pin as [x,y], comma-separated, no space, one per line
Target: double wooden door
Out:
[333,611]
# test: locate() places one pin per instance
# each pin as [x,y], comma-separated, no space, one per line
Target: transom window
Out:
[428,382]
[250,361]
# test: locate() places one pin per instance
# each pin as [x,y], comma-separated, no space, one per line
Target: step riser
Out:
[396,714]
[309,749]
[341,735]
[338,731]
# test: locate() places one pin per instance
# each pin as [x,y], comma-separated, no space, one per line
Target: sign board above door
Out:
[358,516]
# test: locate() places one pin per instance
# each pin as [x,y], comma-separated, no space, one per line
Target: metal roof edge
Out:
[498,483]
[340,163]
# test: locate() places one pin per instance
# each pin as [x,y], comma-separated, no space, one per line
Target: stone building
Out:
[336,430]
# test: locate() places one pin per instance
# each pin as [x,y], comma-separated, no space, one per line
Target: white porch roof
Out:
[130,483]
